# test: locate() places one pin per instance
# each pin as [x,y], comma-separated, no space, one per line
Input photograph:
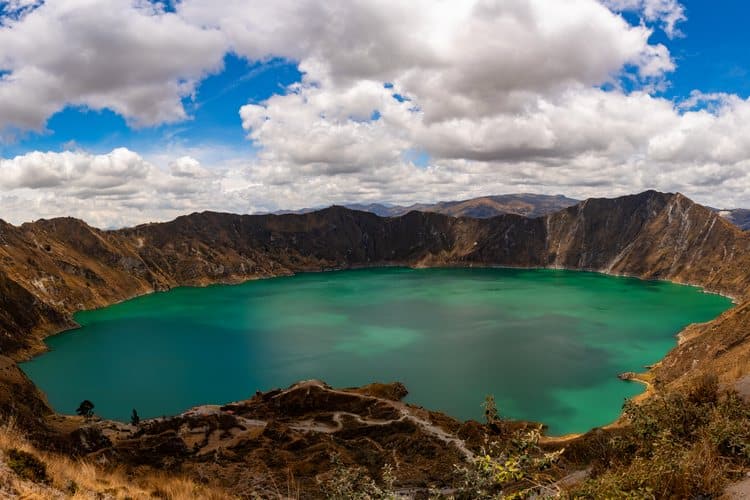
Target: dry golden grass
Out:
[79,479]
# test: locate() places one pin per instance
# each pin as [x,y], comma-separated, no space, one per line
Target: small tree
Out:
[491,415]
[85,409]
[134,418]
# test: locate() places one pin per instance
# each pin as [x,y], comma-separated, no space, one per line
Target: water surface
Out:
[548,344]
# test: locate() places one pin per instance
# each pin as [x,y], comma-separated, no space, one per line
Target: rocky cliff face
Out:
[52,268]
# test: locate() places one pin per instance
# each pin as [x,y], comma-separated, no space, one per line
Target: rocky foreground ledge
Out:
[299,439]
[257,445]
[314,441]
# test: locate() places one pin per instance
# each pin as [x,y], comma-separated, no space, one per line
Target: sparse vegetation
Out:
[685,444]
[678,444]
[135,419]
[27,466]
[36,474]
[85,409]
[511,467]
[353,483]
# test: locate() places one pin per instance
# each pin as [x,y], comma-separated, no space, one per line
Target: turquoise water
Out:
[548,344]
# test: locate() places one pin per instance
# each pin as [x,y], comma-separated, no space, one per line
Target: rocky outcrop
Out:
[19,399]
[249,446]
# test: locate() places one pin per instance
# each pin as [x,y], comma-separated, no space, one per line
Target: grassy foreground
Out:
[687,443]
[28,473]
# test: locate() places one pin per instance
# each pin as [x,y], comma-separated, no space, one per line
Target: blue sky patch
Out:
[213,115]
[707,58]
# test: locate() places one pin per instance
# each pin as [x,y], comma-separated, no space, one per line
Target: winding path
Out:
[402,408]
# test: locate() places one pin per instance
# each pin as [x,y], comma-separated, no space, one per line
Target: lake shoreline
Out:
[233,282]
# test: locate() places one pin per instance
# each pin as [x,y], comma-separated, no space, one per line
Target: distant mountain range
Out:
[740,217]
[484,207]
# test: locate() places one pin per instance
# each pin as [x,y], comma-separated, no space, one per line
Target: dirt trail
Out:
[738,491]
[405,412]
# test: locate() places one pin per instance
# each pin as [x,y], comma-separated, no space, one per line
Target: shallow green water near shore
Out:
[548,344]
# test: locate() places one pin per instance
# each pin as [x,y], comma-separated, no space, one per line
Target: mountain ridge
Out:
[526,204]
[66,265]
[482,207]
[49,269]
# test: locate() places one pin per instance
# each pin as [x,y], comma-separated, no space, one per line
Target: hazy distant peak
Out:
[740,217]
[483,207]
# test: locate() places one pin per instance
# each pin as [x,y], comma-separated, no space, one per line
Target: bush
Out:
[509,468]
[676,445]
[353,483]
[85,409]
[27,466]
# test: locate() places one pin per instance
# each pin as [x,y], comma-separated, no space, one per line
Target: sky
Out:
[121,112]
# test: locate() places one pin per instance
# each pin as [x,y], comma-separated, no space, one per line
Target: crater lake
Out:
[548,344]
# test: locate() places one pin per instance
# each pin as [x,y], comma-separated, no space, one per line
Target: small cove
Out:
[547,343]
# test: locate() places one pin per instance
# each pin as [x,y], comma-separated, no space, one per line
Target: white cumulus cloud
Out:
[400,101]
[668,13]
[126,56]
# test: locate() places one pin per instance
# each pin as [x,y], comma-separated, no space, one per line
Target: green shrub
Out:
[27,466]
[71,487]
[515,467]
[135,419]
[676,445]
[85,409]
[353,483]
